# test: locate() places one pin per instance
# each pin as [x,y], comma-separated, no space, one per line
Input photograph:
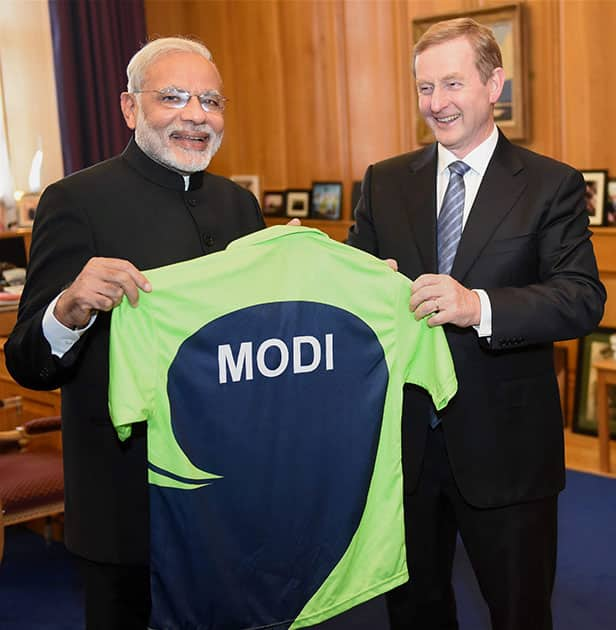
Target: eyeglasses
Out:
[210,101]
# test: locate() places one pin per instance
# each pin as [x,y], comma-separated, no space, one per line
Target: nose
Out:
[438,99]
[193,111]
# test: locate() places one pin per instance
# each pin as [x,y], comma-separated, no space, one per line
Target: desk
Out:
[35,404]
[606,375]
[8,317]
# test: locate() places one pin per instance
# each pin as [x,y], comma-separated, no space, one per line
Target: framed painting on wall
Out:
[592,348]
[507,24]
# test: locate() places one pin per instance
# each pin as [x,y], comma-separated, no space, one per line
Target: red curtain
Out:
[93,40]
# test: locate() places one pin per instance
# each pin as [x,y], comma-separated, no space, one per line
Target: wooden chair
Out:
[31,475]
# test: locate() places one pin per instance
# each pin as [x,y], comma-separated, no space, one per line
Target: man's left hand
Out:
[445,300]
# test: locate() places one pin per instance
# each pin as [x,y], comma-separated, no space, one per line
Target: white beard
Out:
[153,142]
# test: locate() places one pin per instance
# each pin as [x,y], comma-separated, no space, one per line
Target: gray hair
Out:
[140,61]
[487,51]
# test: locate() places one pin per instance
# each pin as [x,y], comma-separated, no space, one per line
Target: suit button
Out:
[192,203]
[209,240]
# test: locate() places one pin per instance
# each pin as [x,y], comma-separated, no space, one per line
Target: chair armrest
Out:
[42,425]
[13,436]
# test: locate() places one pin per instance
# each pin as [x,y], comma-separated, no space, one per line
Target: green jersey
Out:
[271,378]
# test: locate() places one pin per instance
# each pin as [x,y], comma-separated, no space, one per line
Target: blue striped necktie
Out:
[449,228]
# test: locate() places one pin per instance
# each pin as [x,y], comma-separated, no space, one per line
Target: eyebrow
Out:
[181,89]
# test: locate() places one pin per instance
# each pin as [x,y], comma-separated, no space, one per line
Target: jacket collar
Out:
[155,172]
[502,185]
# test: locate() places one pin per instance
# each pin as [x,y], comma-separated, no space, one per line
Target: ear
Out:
[128,104]
[496,83]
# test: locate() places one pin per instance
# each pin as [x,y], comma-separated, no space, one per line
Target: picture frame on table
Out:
[249,182]
[26,209]
[297,203]
[326,200]
[596,186]
[273,203]
[609,218]
[508,23]
[591,348]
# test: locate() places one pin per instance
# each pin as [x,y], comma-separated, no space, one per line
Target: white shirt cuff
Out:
[485,321]
[60,338]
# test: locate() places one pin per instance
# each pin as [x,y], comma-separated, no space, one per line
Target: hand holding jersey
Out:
[100,286]
[446,300]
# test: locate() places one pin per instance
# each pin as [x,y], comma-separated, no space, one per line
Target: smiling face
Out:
[184,140]
[456,104]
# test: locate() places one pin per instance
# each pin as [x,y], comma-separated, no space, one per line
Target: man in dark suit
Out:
[151,206]
[524,275]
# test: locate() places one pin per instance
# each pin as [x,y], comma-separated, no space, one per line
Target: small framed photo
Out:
[249,182]
[597,345]
[594,196]
[610,204]
[273,203]
[297,203]
[326,200]
[26,209]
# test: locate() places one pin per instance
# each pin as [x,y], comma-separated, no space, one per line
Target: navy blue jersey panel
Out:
[284,401]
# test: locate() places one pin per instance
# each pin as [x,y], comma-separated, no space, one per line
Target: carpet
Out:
[39,589]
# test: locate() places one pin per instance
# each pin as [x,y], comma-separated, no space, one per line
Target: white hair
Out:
[140,61]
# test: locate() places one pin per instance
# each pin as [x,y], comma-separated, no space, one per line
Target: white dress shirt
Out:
[478,160]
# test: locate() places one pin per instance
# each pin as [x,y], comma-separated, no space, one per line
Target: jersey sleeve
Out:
[131,366]
[427,358]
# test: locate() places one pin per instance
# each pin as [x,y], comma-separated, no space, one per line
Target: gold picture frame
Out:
[507,22]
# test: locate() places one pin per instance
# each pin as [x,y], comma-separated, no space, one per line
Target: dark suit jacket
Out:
[526,242]
[127,207]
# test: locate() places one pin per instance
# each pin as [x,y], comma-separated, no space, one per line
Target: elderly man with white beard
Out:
[94,232]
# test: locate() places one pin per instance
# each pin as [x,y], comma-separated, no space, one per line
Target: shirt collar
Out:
[478,159]
[157,173]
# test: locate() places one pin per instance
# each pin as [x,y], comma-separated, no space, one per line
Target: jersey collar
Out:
[275,232]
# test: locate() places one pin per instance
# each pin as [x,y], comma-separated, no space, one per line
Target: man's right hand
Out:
[100,286]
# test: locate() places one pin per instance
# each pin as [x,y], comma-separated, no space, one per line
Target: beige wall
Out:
[27,78]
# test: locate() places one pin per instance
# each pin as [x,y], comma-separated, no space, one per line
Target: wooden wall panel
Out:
[589,57]
[378,85]
[322,88]
[543,48]
[314,82]
[283,65]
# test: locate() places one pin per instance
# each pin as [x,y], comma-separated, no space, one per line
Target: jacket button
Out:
[209,240]
[192,202]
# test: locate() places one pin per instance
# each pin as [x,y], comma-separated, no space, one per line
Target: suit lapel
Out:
[420,198]
[501,187]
